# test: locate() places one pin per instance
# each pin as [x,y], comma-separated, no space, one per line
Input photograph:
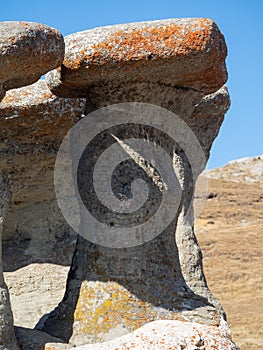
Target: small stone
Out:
[27,51]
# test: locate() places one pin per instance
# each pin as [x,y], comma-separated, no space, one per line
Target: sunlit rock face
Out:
[27,51]
[174,66]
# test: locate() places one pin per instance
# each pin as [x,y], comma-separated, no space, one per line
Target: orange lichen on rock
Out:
[159,42]
[178,52]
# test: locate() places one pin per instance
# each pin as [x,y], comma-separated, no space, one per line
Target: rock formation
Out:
[27,50]
[178,65]
[163,335]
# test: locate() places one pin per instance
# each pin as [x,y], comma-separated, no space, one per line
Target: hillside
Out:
[229,232]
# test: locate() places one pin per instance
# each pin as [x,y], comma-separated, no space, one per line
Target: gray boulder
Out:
[187,53]
[27,51]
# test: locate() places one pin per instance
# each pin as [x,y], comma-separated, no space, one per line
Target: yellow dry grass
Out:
[230,234]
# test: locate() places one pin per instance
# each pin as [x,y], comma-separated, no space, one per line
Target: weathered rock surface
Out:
[33,124]
[7,336]
[27,51]
[119,290]
[176,290]
[175,64]
[188,53]
[164,335]
[230,226]
[27,155]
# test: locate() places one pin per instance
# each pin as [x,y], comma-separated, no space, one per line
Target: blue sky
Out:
[240,21]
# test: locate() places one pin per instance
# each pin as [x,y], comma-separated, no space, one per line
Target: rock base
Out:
[164,335]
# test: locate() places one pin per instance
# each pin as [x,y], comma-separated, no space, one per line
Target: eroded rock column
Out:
[178,65]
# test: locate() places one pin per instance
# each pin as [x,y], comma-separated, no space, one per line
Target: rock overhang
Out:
[181,57]
[185,53]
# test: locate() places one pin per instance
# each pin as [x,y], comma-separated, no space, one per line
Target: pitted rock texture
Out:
[34,216]
[208,116]
[110,292]
[119,290]
[34,123]
[165,335]
[27,51]
[176,52]
[34,116]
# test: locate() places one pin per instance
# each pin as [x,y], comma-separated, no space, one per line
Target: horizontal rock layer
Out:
[34,116]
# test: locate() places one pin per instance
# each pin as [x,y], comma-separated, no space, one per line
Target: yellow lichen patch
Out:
[105,306]
[117,307]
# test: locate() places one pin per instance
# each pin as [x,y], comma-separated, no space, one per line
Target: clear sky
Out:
[240,21]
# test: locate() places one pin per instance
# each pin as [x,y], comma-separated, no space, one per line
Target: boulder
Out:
[187,53]
[27,51]
[163,335]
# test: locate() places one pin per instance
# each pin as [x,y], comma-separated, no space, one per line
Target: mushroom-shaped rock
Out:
[176,64]
[188,53]
[113,289]
[27,51]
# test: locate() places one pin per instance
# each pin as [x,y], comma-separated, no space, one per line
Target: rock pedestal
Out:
[178,65]
[173,66]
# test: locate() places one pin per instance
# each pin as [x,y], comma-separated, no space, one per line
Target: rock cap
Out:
[188,53]
[27,51]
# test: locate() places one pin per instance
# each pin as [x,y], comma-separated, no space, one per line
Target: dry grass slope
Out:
[229,232]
